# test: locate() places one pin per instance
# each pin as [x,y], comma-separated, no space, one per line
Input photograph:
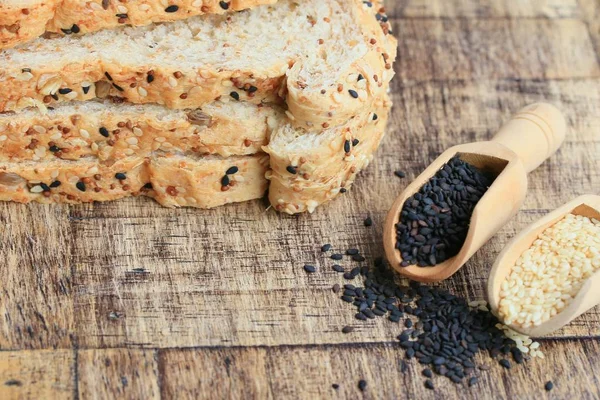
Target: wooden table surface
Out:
[132,300]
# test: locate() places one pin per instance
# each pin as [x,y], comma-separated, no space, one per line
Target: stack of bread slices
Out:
[191,102]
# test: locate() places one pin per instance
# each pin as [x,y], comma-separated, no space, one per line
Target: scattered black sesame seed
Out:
[429,384]
[360,77]
[120,176]
[235,95]
[148,186]
[549,386]
[326,247]
[472,381]
[108,76]
[335,386]
[375,117]
[427,373]
[103,131]
[172,9]
[352,252]
[86,89]
[66,31]
[505,363]
[336,256]
[338,268]
[75,29]
[45,187]
[353,93]
[358,258]
[150,78]
[232,170]
[343,190]
[291,169]
[64,91]
[362,385]
[54,149]
[119,88]
[81,186]
[400,174]
[252,89]
[310,268]
[355,142]
[347,329]
[13,382]
[225,181]
[224,5]
[55,184]
[336,288]
[368,221]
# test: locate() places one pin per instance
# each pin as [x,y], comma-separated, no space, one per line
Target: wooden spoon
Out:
[587,297]
[521,145]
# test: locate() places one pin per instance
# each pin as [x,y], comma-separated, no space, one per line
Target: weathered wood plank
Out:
[117,373]
[590,10]
[310,372]
[494,49]
[35,274]
[483,9]
[42,374]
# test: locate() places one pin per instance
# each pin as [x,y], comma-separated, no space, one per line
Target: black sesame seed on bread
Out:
[336,71]
[25,20]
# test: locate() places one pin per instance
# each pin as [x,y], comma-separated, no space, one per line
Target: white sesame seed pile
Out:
[548,275]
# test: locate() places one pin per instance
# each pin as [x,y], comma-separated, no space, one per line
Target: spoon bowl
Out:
[521,145]
[586,298]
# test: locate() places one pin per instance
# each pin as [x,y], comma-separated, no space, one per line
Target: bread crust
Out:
[22,23]
[310,107]
[176,180]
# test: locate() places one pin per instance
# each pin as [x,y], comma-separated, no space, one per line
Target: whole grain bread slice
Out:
[111,131]
[174,180]
[329,60]
[25,20]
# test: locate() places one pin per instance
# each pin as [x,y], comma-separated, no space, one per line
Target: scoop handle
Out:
[534,133]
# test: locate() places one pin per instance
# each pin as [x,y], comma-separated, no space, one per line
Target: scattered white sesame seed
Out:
[84,134]
[36,189]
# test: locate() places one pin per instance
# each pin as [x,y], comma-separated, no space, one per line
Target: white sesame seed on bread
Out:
[25,20]
[327,59]
[172,180]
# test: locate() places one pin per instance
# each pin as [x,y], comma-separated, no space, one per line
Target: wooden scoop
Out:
[588,296]
[521,145]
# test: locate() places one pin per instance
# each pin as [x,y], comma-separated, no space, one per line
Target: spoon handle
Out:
[534,133]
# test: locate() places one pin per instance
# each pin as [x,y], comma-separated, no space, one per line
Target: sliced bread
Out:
[328,59]
[173,180]
[310,169]
[114,131]
[306,168]
[24,20]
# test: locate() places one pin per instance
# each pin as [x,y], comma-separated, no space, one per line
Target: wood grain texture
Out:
[494,49]
[215,304]
[117,373]
[309,373]
[484,9]
[42,374]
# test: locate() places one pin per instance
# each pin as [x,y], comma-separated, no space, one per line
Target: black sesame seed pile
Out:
[434,222]
[441,331]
